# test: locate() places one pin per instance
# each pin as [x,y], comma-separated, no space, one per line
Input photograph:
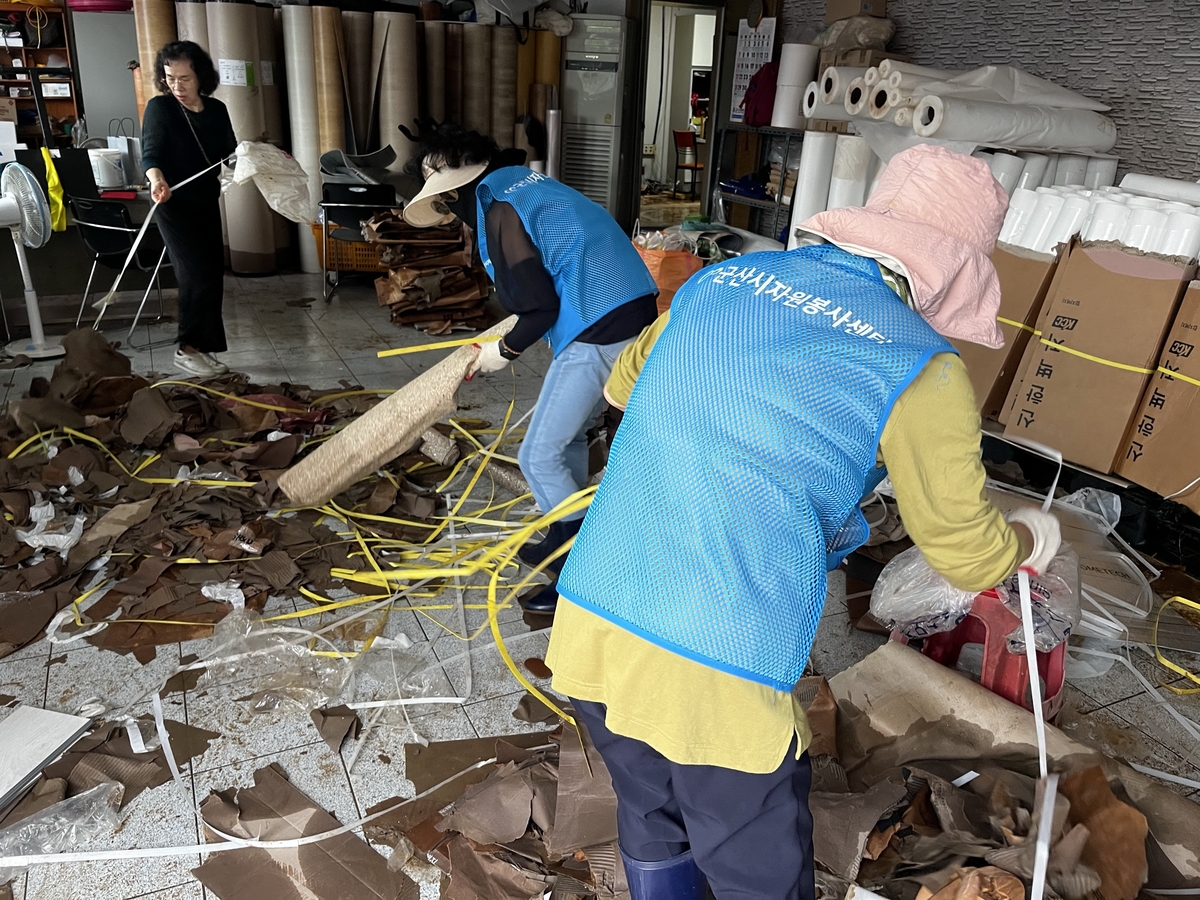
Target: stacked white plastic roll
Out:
[302,112]
[1007,169]
[857,98]
[815,108]
[813,178]
[1072,169]
[797,65]
[835,80]
[891,66]
[851,168]
[1003,124]
[1033,170]
[1101,172]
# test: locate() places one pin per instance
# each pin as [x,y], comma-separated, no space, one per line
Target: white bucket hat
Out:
[429,208]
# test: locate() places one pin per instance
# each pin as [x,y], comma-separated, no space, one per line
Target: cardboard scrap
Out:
[275,810]
[336,723]
[842,823]
[988,883]
[586,813]
[482,876]
[494,811]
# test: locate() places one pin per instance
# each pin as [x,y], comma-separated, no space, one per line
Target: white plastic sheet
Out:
[1005,125]
[278,177]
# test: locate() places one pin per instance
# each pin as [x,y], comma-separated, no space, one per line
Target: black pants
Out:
[191,229]
[751,835]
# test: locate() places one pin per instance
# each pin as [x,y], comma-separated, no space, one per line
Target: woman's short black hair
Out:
[448,145]
[202,65]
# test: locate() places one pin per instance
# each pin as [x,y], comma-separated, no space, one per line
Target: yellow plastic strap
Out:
[1170,374]
[1098,359]
[1158,654]
[421,348]
[1015,324]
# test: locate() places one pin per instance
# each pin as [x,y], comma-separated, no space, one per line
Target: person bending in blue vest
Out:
[565,268]
[691,598]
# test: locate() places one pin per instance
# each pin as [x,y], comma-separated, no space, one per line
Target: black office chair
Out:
[109,232]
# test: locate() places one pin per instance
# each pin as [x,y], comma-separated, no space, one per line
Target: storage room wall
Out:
[1139,56]
[105,42]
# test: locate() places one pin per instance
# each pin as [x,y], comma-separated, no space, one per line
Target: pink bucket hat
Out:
[934,218]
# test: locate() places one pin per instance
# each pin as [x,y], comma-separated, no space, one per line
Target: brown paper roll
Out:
[504,83]
[154,21]
[191,22]
[330,109]
[435,70]
[526,71]
[541,98]
[398,103]
[430,10]
[549,57]
[477,77]
[454,72]
[270,72]
[357,27]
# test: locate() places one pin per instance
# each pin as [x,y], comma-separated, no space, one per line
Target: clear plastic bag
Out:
[1104,504]
[717,213]
[67,825]
[775,155]
[914,599]
[1054,596]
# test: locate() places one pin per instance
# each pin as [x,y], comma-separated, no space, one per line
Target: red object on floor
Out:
[1005,674]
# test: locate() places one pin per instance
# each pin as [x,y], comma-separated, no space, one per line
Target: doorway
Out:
[680,84]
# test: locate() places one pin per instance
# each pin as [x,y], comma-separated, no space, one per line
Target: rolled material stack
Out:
[395,47]
[302,108]
[154,21]
[797,64]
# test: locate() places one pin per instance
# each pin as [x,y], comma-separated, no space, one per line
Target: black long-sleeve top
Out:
[525,288]
[170,145]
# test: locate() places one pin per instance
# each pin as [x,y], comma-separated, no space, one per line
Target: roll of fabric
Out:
[331,113]
[302,110]
[815,109]
[504,83]
[835,80]
[398,99]
[526,71]
[1173,189]
[1006,125]
[549,58]
[813,178]
[554,143]
[871,76]
[435,69]
[477,76]
[154,21]
[191,22]
[857,98]
[269,72]
[357,30]
[851,167]
[880,101]
[454,72]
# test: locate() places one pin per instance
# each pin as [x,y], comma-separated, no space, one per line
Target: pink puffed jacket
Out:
[934,218]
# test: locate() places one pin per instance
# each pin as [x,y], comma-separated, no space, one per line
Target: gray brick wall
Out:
[1141,57]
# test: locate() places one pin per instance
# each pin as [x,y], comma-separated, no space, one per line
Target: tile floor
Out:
[321,345]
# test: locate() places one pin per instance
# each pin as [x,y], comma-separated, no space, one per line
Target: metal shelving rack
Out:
[780,206]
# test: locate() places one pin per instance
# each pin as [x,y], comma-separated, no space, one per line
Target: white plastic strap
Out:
[1041,859]
[1035,681]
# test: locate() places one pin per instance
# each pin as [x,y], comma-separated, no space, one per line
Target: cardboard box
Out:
[1108,312]
[1025,279]
[845,9]
[826,59]
[8,110]
[867,58]
[1160,445]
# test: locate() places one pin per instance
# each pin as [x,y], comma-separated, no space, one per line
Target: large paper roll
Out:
[357,28]
[302,110]
[331,112]
[812,181]
[554,143]
[815,109]
[835,80]
[526,71]
[788,112]
[454,72]
[549,58]
[857,98]
[504,84]
[1005,125]
[435,69]
[270,75]
[477,77]
[851,166]
[191,22]
[797,64]
[154,21]
[398,100]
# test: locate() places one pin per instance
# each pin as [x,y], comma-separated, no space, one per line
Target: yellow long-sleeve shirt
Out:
[694,714]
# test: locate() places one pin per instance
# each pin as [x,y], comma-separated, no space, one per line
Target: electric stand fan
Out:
[24,211]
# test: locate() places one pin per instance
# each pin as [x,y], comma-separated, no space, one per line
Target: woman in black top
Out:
[185,131]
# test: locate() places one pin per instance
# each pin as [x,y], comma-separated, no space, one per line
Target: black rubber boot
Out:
[560,532]
[544,601]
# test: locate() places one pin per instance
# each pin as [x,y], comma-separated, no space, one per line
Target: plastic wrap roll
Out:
[1037,229]
[191,22]
[879,102]
[454,72]
[788,112]
[154,21]
[1020,208]
[1034,170]
[302,113]
[398,100]
[871,76]
[504,84]
[526,72]
[331,113]
[797,64]
[1101,172]
[435,69]
[548,50]
[1070,219]
[835,80]
[1108,221]
[1182,235]
[554,143]
[851,167]
[270,74]
[1145,228]
[1001,124]
[814,109]
[889,66]
[1162,188]
[903,81]
[856,99]
[812,180]
[477,77]
[1007,169]
[1072,169]
[357,27]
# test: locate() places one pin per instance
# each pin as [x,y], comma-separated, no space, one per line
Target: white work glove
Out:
[488,360]
[1046,537]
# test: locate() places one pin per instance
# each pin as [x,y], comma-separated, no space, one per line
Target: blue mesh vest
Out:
[734,480]
[593,263]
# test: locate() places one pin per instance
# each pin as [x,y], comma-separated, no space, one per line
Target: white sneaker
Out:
[219,367]
[194,364]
